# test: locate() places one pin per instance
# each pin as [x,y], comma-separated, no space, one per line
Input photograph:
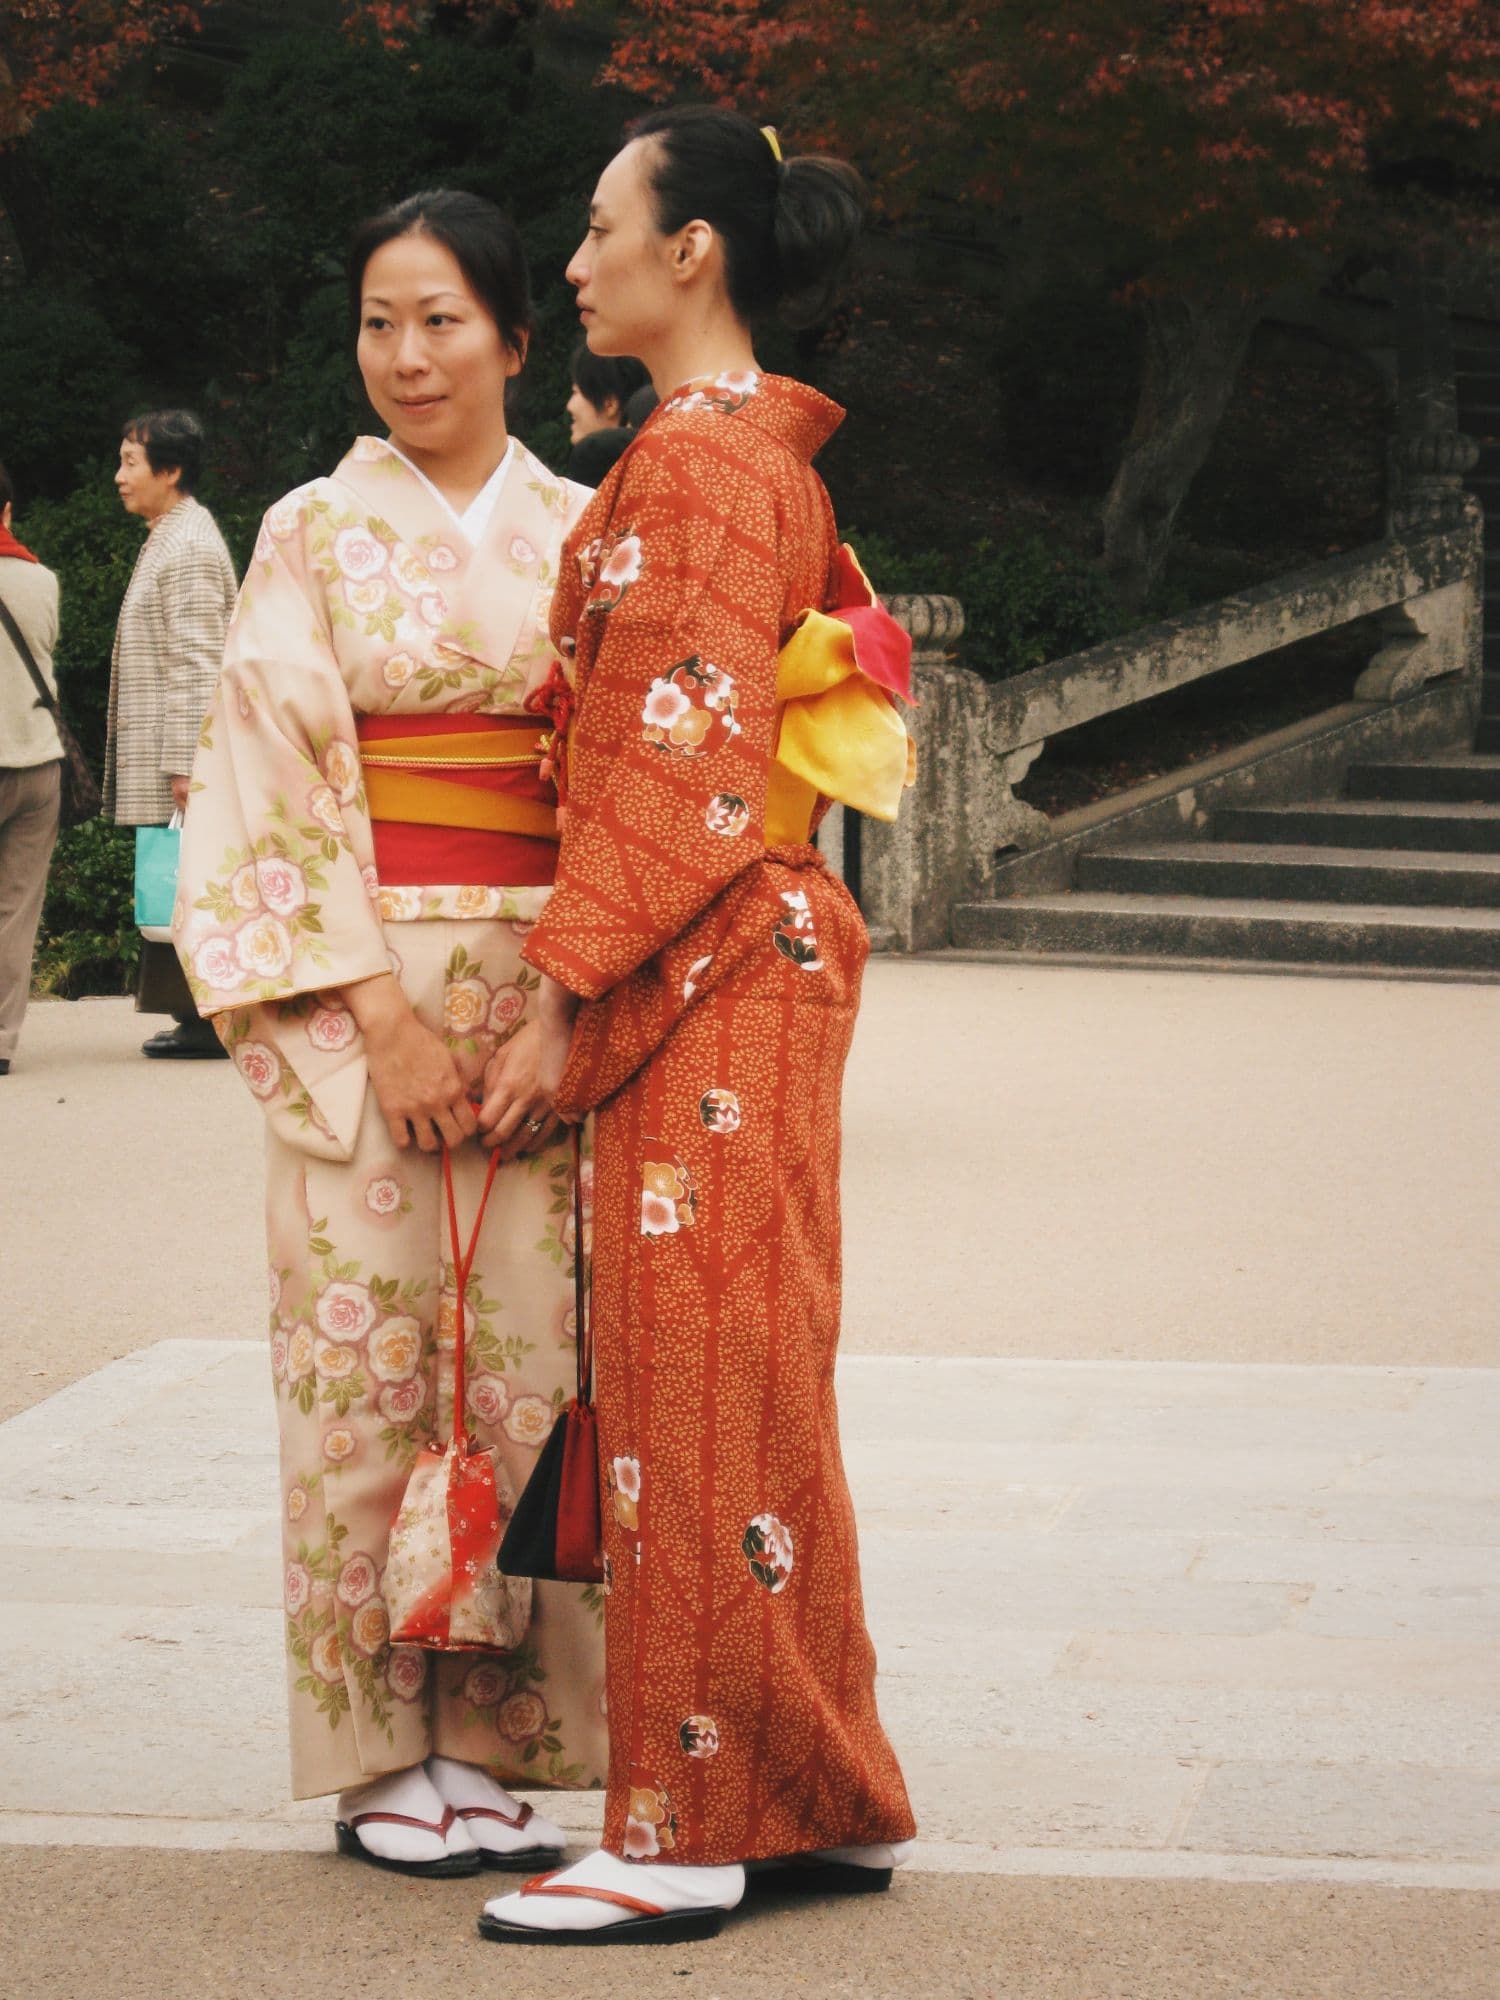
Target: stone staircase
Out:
[1402,872]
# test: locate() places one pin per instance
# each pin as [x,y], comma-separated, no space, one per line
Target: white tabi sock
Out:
[883,1854]
[413,1794]
[467,1785]
[668,1888]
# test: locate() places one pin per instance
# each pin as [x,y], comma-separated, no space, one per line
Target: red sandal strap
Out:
[439,1827]
[548,1885]
[516,1820]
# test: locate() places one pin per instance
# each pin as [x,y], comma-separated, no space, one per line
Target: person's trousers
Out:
[29,812]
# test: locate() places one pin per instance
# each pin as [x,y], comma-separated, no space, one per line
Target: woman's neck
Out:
[716,345]
[460,475]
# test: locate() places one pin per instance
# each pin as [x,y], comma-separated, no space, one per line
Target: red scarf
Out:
[9,546]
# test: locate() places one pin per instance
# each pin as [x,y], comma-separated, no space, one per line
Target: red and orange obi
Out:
[459,799]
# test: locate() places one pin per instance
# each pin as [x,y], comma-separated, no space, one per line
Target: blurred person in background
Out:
[30,768]
[602,386]
[169,648]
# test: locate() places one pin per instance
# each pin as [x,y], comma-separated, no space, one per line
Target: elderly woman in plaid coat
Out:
[169,648]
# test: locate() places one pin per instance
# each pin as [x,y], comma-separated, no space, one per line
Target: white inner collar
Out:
[475,518]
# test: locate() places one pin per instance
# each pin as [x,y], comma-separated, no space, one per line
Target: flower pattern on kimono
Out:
[279,1344]
[699,1737]
[466,1006]
[260,1066]
[282,886]
[299,1353]
[406,1672]
[650,1823]
[625,1492]
[726,813]
[767,1544]
[244,887]
[296,1589]
[521,1716]
[489,1398]
[384,1195]
[720,1111]
[344,1310]
[400,1402]
[370,1628]
[398,669]
[668,1202]
[341,769]
[395,1349]
[793,934]
[690,709]
[358,554]
[529,1421]
[215,963]
[400,905]
[726,393]
[325,1658]
[367,597]
[331,1029]
[297,1503]
[613,565]
[485,1685]
[324,808]
[507,1006]
[263,947]
[339,1444]
[358,1580]
[333,1362]
[694,973]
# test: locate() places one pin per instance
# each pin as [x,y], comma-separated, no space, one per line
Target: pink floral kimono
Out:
[365,599]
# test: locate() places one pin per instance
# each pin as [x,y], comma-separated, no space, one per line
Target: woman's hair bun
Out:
[788,228]
[820,207]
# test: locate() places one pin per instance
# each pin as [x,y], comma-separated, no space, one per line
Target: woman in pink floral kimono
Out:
[368,841]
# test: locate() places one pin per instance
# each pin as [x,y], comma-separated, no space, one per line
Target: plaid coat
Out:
[169,648]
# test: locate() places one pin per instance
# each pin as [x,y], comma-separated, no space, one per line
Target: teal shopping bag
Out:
[156,851]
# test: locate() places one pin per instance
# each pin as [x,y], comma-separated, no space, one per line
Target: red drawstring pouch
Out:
[442,1587]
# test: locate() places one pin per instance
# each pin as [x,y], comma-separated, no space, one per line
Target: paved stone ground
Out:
[1191,1657]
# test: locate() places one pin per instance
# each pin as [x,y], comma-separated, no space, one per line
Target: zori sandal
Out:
[646,1923]
[346,1835]
[515,1859]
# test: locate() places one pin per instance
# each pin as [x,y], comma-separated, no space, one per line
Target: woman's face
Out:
[587,417]
[622,270]
[434,363]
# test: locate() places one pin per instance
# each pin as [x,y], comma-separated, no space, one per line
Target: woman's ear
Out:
[515,357]
[695,245]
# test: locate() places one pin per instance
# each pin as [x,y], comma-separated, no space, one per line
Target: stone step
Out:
[1214,927]
[1461,778]
[1427,826]
[1295,874]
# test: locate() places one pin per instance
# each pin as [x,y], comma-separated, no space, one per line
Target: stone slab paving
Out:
[1134,1618]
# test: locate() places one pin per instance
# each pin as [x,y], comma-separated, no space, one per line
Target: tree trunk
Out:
[1194,348]
[28,207]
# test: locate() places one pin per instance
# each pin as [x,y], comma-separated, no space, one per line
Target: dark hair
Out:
[7,491]
[640,406]
[600,376]
[788,227]
[482,239]
[172,441]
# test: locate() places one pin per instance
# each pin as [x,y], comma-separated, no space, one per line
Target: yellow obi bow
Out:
[841,734]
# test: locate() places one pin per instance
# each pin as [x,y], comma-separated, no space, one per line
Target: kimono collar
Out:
[799,417]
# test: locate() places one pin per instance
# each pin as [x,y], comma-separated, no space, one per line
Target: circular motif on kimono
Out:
[690,711]
[728,814]
[699,1736]
[719,1110]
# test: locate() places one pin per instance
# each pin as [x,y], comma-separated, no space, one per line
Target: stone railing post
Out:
[941,850]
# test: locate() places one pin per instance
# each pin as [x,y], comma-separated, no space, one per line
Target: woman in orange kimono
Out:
[702,971]
[353,925]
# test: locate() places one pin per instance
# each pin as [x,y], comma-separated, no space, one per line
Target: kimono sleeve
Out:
[677,721]
[275,886]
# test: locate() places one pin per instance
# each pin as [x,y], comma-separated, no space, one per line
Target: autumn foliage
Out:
[1185,132]
[52,50]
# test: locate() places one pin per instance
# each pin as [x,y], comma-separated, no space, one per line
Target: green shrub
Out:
[92,543]
[88,942]
[63,378]
[1025,601]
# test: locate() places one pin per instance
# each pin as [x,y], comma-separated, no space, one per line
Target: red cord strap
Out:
[463,1263]
[582,1327]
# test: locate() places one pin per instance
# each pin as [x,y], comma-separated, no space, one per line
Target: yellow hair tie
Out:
[768,133]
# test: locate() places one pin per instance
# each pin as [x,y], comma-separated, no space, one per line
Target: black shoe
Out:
[4,1065]
[183,1044]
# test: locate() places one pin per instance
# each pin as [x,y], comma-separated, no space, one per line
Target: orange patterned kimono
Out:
[721,966]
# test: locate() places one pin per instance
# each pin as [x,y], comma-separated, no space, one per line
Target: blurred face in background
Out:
[434,363]
[587,417]
[144,492]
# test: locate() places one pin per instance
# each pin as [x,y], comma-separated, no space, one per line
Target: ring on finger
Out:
[534,1124]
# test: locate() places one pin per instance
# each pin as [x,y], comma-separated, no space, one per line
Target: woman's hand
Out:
[516,1115]
[416,1078]
[557,1009]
